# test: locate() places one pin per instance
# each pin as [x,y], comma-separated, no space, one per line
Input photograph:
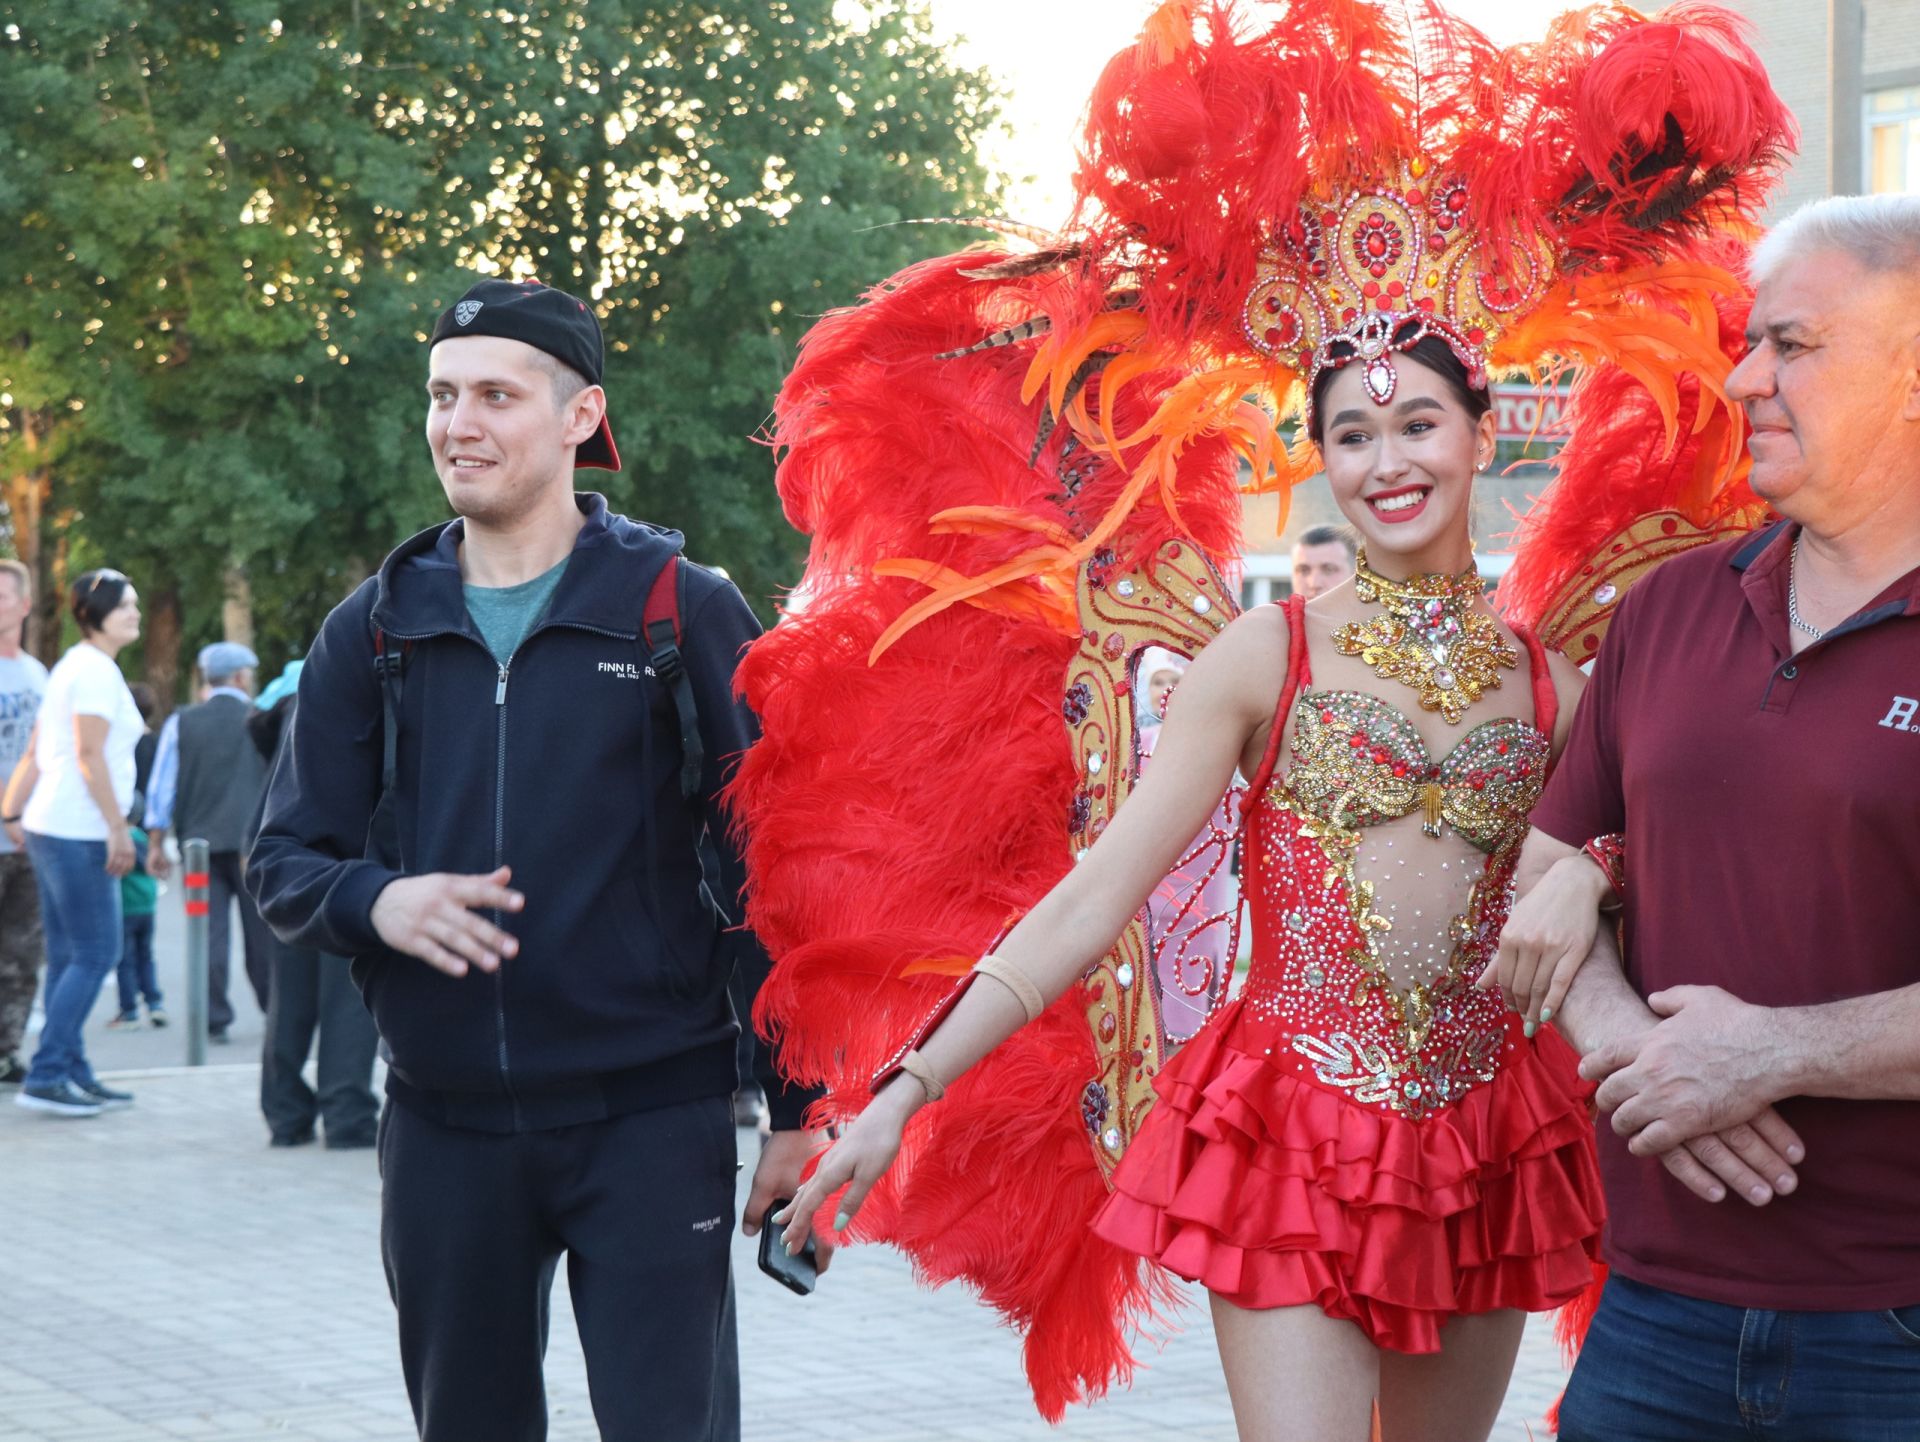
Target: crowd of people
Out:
[1585,986]
[92,792]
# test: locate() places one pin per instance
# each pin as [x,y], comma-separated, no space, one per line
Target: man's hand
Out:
[17,834]
[783,1157]
[119,849]
[1713,1064]
[436,918]
[159,864]
[1755,1159]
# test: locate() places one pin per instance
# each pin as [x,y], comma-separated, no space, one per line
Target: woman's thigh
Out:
[1295,1374]
[79,902]
[1457,1391]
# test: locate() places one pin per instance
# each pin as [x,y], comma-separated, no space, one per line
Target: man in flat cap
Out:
[507,751]
[206,782]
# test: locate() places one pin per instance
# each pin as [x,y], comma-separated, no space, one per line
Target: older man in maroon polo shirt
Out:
[1753,726]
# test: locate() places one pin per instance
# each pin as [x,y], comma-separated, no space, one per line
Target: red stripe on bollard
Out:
[196,908]
[197,878]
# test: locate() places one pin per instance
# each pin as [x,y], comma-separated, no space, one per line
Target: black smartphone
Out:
[797,1273]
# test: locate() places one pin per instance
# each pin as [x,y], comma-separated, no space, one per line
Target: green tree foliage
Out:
[234,221]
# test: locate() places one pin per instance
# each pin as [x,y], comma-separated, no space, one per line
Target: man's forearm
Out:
[20,786]
[1601,1005]
[1865,1048]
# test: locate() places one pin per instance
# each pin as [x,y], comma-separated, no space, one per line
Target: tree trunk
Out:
[29,495]
[161,608]
[50,593]
[236,612]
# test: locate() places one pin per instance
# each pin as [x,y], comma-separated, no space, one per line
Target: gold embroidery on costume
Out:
[1357,762]
[1433,637]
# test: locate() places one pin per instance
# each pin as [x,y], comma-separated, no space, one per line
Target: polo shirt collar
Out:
[1764,563]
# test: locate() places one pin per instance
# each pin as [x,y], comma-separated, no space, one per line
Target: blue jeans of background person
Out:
[1660,1367]
[80,910]
[135,974]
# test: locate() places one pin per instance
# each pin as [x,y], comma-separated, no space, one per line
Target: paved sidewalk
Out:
[166,1275]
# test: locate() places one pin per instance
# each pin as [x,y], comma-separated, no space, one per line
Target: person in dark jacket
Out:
[311,994]
[525,908]
[206,782]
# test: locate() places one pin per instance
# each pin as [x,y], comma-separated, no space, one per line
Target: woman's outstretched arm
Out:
[1224,705]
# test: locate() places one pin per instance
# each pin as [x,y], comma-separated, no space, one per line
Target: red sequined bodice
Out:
[1323,997]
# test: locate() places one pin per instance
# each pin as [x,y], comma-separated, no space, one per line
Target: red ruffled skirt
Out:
[1272,1190]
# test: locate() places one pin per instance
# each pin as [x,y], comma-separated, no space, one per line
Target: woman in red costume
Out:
[1361,1150]
[1373,1166]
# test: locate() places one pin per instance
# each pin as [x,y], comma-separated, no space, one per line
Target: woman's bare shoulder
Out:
[1248,659]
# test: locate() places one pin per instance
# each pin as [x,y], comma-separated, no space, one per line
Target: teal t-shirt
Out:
[139,892]
[505,614]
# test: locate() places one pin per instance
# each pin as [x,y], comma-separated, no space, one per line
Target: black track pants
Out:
[473,1224]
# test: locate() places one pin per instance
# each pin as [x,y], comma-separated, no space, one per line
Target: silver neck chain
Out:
[1793,594]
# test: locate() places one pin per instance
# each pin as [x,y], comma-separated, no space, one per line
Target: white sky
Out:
[1048,53]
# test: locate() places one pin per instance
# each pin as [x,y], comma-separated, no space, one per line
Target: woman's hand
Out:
[863,1154]
[1547,937]
[119,850]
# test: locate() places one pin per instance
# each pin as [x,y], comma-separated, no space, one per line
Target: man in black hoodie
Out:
[526,909]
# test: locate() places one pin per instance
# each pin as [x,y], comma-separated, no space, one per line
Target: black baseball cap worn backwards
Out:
[549,320]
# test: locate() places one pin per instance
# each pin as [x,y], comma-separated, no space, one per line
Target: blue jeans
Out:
[1660,1367]
[80,909]
[135,976]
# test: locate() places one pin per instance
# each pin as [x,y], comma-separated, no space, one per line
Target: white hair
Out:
[1879,233]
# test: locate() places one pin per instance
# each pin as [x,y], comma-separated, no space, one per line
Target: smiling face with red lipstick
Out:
[1402,473]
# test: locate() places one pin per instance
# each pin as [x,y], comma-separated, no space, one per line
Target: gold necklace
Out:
[1432,638]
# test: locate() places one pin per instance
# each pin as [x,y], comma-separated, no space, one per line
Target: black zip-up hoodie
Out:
[563,764]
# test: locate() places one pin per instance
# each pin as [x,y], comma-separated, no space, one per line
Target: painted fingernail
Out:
[1546,1015]
[1529,1028]
[840,1220]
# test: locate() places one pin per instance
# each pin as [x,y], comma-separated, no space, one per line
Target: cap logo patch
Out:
[467,310]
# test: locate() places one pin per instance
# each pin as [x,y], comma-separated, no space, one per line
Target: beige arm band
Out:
[917,1067]
[1015,981]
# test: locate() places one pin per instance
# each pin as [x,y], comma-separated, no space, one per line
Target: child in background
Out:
[139,899]
[139,892]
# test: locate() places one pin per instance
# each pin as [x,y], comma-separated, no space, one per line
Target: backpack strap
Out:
[660,627]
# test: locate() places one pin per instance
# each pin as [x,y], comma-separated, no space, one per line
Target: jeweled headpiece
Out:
[1380,269]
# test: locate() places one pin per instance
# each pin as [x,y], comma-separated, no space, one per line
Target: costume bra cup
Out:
[1359,762]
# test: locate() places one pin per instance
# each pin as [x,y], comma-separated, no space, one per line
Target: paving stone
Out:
[234,1294]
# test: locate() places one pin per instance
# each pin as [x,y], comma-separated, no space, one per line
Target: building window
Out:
[1893,141]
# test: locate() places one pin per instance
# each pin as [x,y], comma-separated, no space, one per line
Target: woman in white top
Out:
[77,786]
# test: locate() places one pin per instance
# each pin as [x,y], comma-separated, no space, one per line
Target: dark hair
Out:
[146,698]
[95,596]
[1330,536]
[1433,353]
